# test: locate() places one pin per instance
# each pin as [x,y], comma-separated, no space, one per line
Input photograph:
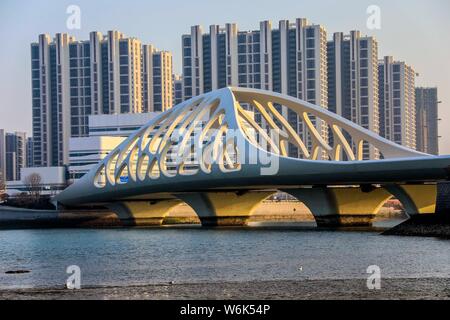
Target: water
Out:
[147,256]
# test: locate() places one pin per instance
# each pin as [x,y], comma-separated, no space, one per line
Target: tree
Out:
[33,183]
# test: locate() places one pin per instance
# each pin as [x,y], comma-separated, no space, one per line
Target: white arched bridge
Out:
[226,151]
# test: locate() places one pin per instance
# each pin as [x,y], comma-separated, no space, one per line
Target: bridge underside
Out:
[330,206]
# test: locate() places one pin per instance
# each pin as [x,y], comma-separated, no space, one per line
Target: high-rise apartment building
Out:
[353,81]
[177,89]
[29,146]
[2,155]
[291,60]
[162,81]
[74,79]
[15,155]
[397,102]
[427,120]
[157,70]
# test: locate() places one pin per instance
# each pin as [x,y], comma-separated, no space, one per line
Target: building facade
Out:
[353,82]
[397,102]
[427,120]
[106,132]
[162,81]
[52,180]
[2,155]
[290,60]
[29,146]
[15,154]
[107,74]
[177,89]
[86,152]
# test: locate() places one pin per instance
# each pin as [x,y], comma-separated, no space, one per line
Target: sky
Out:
[415,31]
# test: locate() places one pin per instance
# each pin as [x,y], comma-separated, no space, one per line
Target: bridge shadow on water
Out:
[285,226]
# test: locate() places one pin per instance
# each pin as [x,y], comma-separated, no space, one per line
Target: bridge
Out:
[226,151]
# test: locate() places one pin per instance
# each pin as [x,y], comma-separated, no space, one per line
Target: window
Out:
[124,60]
[364,101]
[123,47]
[310,43]
[242,59]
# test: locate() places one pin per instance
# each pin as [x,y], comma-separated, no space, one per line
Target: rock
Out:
[17,271]
[426,225]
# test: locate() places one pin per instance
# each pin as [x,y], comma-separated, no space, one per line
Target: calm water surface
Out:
[147,256]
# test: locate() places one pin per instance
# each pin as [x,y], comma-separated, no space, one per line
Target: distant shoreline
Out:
[269,211]
[346,289]
[431,225]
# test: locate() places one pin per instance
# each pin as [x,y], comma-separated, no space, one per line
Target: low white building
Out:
[87,152]
[118,124]
[52,181]
[106,132]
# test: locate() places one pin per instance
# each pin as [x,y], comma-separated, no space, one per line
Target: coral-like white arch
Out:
[144,155]
[212,137]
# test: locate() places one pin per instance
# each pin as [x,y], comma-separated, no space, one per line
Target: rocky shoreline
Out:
[428,225]
[345,289]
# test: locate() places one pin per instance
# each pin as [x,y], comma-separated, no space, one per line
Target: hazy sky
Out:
[414,31]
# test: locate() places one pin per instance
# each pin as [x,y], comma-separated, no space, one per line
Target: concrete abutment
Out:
[143,213]
[342,206]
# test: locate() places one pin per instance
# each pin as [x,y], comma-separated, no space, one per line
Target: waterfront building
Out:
[52,180]
[427,120]
[72,79]
[353,81]
[397,102]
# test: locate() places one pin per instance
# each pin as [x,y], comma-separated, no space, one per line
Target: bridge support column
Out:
[416,199]
[143,213]
[339,207]
[224,208]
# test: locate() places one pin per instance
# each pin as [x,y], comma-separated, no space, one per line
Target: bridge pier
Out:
[342,207]
[224,208]
[416,199]
[143,213]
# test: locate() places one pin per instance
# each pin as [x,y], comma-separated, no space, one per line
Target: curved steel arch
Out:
[212,138]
